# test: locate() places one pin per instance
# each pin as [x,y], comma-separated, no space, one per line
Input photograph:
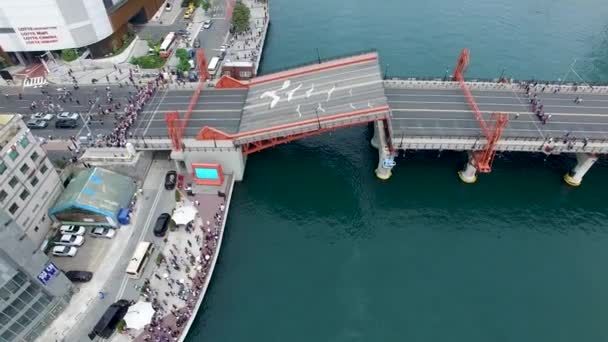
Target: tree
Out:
[69,55]
[240,17]
[182,54]
[182,66]
[206,4]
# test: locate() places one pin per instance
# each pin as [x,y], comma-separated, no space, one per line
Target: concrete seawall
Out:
[213,262]
[263,39]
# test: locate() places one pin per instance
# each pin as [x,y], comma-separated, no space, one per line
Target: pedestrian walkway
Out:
[246,47]
[188,256]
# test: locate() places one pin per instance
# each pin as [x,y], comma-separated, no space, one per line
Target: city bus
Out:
[213,65]
[167,45]
[139,259]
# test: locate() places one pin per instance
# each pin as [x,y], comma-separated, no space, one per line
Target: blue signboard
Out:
[49,272]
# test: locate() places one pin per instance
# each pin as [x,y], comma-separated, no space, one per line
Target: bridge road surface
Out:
[314,95]
[217,108]
[445,113]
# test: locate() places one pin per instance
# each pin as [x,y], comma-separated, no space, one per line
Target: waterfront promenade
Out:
[177,286]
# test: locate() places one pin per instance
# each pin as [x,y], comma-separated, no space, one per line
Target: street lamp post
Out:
[318,55]
[386,70]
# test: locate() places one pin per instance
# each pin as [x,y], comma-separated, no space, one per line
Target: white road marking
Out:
[352,106]
[298,110]
[498,104]
[285,85]
[330,91]
[291,92]
[321,108]
[272,94]
[488,112]
[154,113]
[309,91]
[350,91]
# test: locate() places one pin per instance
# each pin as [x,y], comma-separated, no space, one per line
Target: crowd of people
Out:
[135,104]
[170,318]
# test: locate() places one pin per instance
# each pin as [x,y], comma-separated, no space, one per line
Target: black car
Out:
[161,225]
[182,32]
[170,180]
[110,319]
[66,123]
[79,276]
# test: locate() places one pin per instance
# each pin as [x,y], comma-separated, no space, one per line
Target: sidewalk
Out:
[248,46]
[177,287]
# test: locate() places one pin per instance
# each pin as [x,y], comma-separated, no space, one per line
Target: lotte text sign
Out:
[38,36]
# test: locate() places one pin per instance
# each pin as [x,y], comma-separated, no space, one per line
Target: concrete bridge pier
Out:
[469,173]
[386,160]
[584,162]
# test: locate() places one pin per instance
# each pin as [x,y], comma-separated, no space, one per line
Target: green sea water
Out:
[317,249]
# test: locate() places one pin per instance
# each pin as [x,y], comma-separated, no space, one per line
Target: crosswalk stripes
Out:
[34,82]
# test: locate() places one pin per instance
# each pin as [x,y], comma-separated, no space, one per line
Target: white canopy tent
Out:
[139,315]
[184,215]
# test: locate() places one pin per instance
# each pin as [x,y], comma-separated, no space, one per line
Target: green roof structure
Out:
[97,191]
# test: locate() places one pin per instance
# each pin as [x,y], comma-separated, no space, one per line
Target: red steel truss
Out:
[483,158]
[177,126]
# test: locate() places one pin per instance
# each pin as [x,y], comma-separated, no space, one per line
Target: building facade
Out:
[29,184]
[33,291]
[28,28]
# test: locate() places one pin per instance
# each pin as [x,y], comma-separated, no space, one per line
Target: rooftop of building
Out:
[96,190]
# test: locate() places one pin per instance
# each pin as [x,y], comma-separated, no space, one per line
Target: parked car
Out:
[66,123]
[170,180]
[36,124]
[109,321]
[182,32]
[79,276]
[103,232]
[68,115]
[161,225]
[74,230]
[197,44]
[70,240]
[42,116]
[64,251]
[207,24]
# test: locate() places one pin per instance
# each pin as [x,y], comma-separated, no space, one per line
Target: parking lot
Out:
[90,255]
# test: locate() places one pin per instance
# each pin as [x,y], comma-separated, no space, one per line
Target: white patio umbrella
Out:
[139,315]
[184,215]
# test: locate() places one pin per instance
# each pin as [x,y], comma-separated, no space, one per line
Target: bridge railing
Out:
[523,144]
[482,79]
[307,63]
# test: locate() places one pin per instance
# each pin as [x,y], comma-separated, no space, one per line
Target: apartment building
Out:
[29,183]
[33,291]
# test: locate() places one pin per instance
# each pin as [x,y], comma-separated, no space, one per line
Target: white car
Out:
[68,115]
[207,24]
[42,116]
[64,251]
[72,230]
[70,240]
[107,233]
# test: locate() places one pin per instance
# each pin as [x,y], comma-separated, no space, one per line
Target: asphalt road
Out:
[216,108]
[428,112]
[100,124]
[299,96]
